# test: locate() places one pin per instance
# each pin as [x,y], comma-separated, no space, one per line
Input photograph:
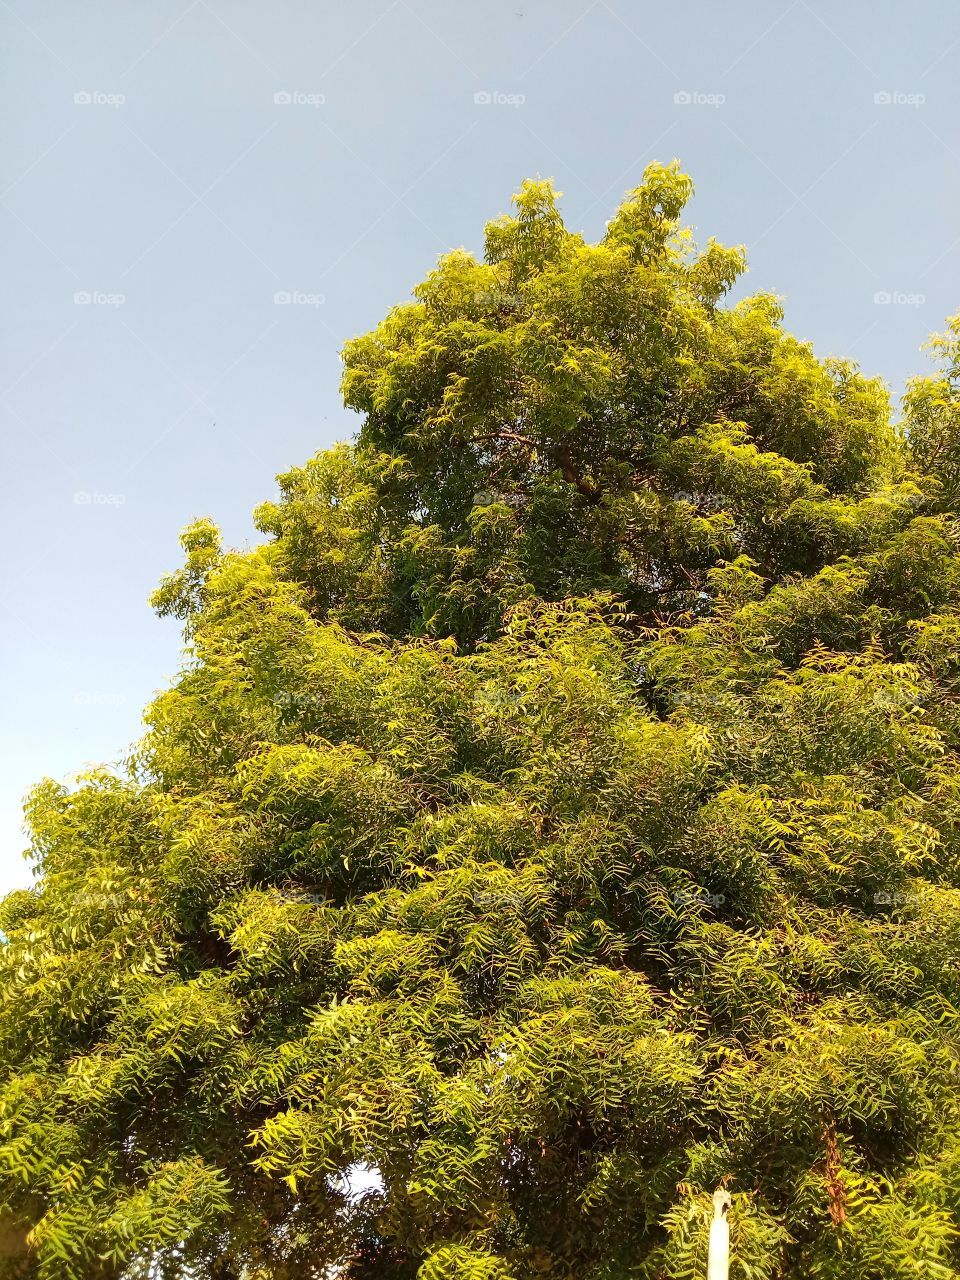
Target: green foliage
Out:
[556,817]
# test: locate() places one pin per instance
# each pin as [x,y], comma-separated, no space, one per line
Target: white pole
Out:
[718,1262]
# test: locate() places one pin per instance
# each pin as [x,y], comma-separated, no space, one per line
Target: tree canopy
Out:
[556,817]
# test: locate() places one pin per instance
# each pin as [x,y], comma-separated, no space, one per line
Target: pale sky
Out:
[168,168]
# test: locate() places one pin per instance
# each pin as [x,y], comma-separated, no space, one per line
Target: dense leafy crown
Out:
[558,816]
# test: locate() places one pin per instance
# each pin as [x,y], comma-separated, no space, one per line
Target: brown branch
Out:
[837,1191]
[591,491]
[507,435]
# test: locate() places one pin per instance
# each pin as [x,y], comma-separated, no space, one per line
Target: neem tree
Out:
[557,817]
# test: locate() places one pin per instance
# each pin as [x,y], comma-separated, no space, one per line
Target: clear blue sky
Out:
[147,165]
